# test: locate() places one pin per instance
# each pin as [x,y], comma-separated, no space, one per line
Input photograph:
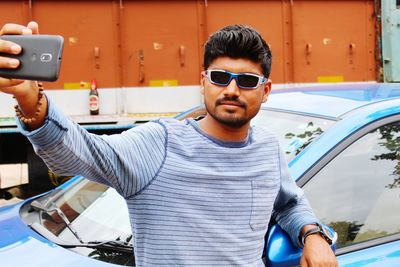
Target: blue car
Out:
[342,143]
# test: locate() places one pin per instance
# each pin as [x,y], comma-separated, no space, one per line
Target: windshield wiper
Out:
[50,207]
[112,245]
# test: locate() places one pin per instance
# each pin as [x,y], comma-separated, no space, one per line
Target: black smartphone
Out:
[40,58]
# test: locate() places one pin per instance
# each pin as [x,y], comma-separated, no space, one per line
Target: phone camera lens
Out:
[45,57]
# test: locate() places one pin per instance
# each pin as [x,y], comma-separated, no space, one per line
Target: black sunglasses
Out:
[243,80]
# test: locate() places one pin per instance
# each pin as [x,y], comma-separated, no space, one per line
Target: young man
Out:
[199,193]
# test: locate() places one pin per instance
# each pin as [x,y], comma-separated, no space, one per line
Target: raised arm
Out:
[32,106]
[127,161]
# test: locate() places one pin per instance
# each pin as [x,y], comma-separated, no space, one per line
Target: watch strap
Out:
[312,231]
[323,232]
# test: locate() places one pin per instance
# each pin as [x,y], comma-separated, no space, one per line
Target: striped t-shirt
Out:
[193,200]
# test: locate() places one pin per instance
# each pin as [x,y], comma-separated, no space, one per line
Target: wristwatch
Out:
[328,234]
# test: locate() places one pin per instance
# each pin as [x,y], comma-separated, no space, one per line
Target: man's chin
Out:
[233,118]
[231,121]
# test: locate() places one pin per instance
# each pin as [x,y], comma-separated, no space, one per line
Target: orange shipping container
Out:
[142,43]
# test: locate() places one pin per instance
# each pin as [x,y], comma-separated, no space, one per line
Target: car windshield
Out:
[294,130]
[84,205]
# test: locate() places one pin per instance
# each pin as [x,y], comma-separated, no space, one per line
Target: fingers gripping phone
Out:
[40,58]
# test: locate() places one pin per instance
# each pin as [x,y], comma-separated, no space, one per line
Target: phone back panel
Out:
[40,58]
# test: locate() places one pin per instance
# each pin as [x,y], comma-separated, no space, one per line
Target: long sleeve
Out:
[291,209]
[127,161]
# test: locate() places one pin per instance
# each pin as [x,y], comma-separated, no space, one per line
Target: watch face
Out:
[329,233]
[324,231]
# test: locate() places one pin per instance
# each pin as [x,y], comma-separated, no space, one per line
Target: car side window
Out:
[358,192]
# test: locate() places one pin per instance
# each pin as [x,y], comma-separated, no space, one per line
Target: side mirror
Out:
[280,251]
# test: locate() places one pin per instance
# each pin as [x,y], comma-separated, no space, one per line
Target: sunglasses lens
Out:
[245,80]
[223,78]
[220,77]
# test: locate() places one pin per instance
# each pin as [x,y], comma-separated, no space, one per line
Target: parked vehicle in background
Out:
[148,45]
[343,147]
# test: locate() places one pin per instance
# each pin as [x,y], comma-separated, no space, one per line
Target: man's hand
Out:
[13,86]
[317,253]
[25,92]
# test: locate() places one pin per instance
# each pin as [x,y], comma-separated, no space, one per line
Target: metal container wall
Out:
[131,43]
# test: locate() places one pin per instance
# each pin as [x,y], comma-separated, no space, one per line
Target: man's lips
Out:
[230,103]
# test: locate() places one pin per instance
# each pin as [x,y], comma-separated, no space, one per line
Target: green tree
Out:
[390,134]
[307,137]
[347,232]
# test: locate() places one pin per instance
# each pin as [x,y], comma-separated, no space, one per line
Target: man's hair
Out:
[238,41]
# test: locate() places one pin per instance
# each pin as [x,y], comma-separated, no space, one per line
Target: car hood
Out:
[20,246]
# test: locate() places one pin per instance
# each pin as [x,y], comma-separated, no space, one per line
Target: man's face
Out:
[231,105]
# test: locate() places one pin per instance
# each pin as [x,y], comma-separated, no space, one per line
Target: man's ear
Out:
[202,84]
[267,90]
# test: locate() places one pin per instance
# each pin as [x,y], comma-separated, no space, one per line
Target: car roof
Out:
[332,101]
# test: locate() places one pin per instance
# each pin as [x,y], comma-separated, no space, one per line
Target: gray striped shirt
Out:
[193,200]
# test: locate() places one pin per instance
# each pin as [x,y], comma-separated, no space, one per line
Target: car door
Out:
[356,190]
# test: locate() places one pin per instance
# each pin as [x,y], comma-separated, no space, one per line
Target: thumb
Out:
[34,27]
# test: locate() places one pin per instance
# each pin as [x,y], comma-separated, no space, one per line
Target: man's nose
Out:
[232,89]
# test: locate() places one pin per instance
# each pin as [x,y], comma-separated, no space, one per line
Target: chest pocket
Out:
[263,197]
